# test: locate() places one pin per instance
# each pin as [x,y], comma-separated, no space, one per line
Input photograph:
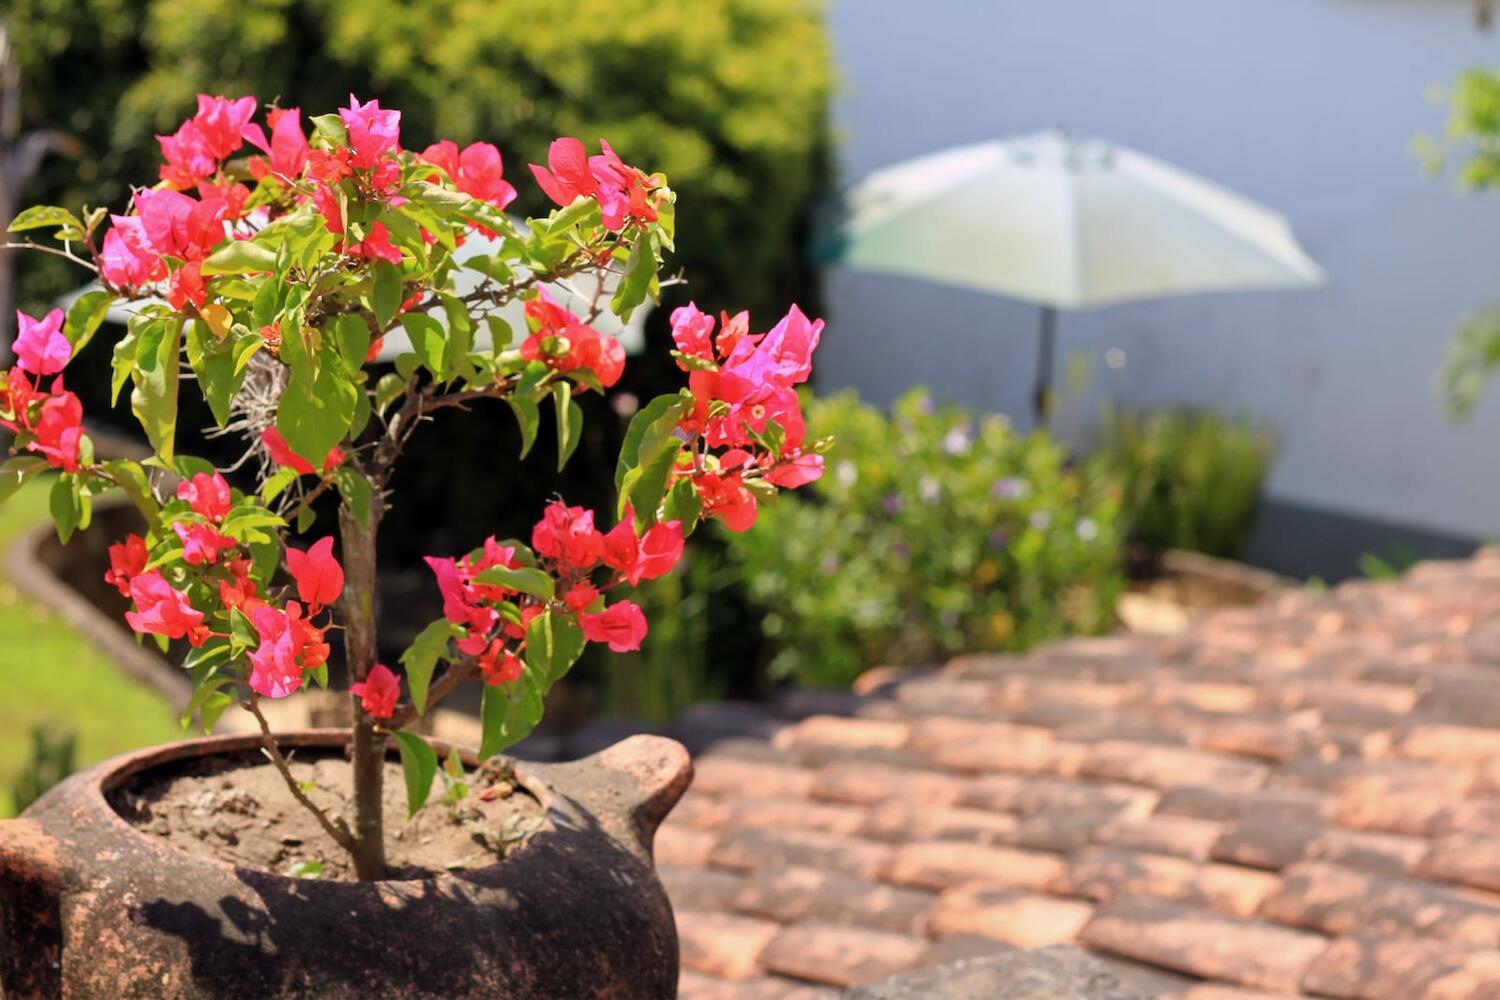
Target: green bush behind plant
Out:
[1190,480]
[933,533]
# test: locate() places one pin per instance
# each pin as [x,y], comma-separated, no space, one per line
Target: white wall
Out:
[1304,105]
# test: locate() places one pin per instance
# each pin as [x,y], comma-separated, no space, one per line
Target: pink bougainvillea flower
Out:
[59,429]
[327,203]
[318,575]
[312,649]
[796,469]
[692,332]
[377,246]
[41,347]
[161,609]
[127,560]
[499,665]
[201,544]
[286,151]
[207,494]
[580,596]
[187,286]
[621,625]
[373,131]
[726,498]
[567,536]
[569,177]
[186,157]
[221,123]
[567,343]
[647,557]
[127,259]
[180,225]
[478,171]
[378,692]
[282,454]
[274,670]
[624,192]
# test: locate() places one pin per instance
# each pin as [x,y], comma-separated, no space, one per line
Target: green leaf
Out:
[553,644]
[154,399]
[388,389]
[352,334]
[315,414]
[44,216]
[420,763]
[16,471]
[240,257]
[683,504]
[331,127]
[420,659]
[212,707]
[569,422]
[528,417]
[312,868]
[133,482]
[508,712]
[429,341]
[635,284]
[385,295]
[277,484]
[66,506]
[650,445]
[84,318]
[213,363]
[122,362]
[526,581]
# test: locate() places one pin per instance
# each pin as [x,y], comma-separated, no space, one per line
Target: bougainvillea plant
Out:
[266,265]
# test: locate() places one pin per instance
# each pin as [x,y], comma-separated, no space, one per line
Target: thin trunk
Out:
[368,747]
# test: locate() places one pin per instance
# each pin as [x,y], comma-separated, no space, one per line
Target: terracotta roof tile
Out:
[841,956]
[1235,949]
[794,895]
[1015,916]
[938,864]
[1339,900]
[1297,798]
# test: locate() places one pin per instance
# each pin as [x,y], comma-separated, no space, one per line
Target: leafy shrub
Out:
[933,533]
[1191,480]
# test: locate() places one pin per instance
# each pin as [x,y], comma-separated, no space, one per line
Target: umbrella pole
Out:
[1041,393]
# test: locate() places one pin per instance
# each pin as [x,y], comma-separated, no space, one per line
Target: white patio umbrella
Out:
[1064,223]
[576,293]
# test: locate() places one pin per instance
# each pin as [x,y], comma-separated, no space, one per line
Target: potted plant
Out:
[269,263]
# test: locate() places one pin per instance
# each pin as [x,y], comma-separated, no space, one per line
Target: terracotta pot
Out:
[91,907]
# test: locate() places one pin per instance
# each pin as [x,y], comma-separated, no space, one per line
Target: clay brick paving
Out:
[1298,799]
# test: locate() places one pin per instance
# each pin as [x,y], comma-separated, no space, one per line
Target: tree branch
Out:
[455,675]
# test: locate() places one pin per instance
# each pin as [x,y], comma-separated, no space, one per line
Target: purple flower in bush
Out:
[1008,488]
[999,540]
[892,504]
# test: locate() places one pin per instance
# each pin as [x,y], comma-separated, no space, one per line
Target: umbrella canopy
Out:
[1065,223]
[576,293]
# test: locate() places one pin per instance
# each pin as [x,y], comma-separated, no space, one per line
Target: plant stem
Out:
[368,746]
[335,828]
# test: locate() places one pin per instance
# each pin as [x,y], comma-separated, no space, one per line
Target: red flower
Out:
[378,692]
[41,347]
[319,577]
[377,246]
[58,430]
[580,596]
[127,560]
[566,343]
[286,152]
[725,497]
[692,332]
[621,625]
[187,286]
[652,555]
[200,543]
[282,454]
[128,259]
[207,494]
[477,171]
[220,122]
[569,177]
[499,665]
[796,469]
[161,609]
[373,131]
[567,535]
[624,192]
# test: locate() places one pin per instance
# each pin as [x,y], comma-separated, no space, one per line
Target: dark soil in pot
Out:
[237,809]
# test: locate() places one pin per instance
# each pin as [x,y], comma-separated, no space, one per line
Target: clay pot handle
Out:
[28,854]
[638,780]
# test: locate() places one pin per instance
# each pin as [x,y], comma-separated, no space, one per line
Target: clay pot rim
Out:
[117,771]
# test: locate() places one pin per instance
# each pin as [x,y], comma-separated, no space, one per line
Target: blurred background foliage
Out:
[1191,480]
